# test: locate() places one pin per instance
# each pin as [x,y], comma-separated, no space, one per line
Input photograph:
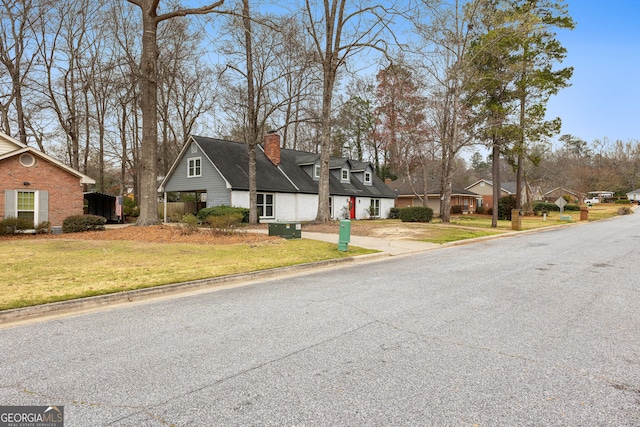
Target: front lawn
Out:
[42,270]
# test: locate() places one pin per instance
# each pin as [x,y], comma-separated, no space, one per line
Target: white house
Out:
[217,172]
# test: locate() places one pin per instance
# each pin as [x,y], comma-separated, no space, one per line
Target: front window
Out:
[374,208]
[26,205]
[194,169]
[265,205]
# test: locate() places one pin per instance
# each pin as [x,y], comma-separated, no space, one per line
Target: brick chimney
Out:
[272,147]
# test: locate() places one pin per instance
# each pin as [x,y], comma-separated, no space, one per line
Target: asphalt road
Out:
[541,329]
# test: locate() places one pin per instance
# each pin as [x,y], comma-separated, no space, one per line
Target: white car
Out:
[591,201]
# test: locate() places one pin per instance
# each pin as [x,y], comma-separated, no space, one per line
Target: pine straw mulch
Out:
[157,234]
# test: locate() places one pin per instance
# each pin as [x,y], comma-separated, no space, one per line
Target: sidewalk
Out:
[390,246]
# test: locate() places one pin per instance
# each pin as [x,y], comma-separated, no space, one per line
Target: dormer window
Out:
[345,175]
[316,171]
[367,177]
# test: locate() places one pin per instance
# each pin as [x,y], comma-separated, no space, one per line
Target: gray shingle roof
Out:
[232,160]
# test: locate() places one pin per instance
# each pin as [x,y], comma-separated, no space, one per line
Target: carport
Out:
[102,205]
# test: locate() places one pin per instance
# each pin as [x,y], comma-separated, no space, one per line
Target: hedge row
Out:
[416,214]
[79,223]
[547,207]
[223,210]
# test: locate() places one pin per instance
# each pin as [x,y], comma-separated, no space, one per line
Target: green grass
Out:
[43,271]
[443,235]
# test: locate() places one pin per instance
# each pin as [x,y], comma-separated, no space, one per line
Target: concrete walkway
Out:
[390,246]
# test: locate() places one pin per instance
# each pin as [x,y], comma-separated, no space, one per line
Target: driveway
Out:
[536,329]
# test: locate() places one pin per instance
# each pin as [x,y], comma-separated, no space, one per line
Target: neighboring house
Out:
[554,194]
[410,193]
[484,187]
[216,172]
[37,187]
[634,195]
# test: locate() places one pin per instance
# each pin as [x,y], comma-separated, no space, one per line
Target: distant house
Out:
[484,187]
[634,195]
[555,193]
[216,172]
[410,193]
[37,187]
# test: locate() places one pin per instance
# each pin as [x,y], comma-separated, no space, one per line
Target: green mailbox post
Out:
[345,235]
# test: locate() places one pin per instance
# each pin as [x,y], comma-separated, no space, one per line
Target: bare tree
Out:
[448,29]
[339,29]
[149,100]
[17,54]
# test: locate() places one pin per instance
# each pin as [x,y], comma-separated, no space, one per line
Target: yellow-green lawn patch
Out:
[42,271]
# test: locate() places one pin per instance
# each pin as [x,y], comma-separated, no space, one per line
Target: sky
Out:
[603,100]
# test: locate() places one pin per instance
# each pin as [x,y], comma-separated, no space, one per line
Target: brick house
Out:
[36,186]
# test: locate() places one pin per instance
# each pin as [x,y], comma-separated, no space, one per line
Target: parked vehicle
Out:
[591,201]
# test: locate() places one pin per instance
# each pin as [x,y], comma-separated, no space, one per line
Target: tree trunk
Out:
[149,101]
[496,184]
[252,115]
[325,147]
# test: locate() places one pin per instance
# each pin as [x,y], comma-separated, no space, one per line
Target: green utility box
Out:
[288,230]
[345,235]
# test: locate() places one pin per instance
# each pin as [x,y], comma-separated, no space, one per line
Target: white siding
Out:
[286,206]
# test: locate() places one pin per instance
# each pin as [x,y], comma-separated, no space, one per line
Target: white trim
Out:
[195,167]
[342,178]
[32,160]
[84,179]
[36,204]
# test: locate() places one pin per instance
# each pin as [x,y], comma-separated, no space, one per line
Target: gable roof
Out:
[409,187]
[508,187]
[10,147]
[231,159]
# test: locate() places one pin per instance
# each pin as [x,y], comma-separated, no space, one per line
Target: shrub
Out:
[505,205]
[394,213]
[416,214]
[490,211]
[480,210]
[12,224]
[43,227]
[623,202]
[625,210]
[79,223]
[456,209]
[543,207]
[221,211]
[130,208]
[188,225]
[225,224]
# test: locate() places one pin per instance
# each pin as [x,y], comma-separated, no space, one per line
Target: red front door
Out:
[352,208]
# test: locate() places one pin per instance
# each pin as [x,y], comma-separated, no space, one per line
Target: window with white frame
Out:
[330,207]
[194,167]
[265,205]
[316,171]
[345,175]
[367,177]
[26,205]
[374,208]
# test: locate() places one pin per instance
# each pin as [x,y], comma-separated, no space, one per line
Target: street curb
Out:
[79,305]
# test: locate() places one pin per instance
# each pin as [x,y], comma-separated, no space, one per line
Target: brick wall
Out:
[65,191]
